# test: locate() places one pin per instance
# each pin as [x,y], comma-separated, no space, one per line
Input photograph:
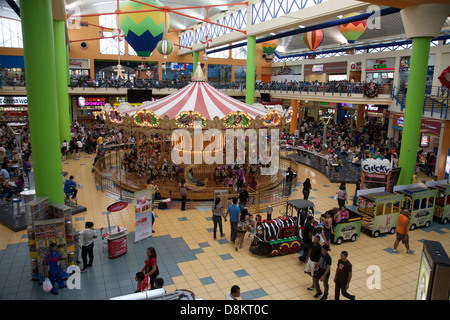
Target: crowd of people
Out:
[342,141]
[15,154]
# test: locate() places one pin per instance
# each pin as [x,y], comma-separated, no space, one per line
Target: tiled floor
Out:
[189,258]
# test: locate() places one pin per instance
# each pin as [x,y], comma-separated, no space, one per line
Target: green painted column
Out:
[61,79]
[413,108]
[69,101]
[195,57]
[250,75]
[40,72]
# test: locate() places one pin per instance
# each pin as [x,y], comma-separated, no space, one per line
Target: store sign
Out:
[376,166]
[371,108]
[380,64]
[317,68]
[355,66]
[118,206]
[11,101]
[91,102]
[426,127]
[181,67]
[79,63]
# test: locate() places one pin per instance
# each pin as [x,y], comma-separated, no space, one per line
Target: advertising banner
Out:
[143,215]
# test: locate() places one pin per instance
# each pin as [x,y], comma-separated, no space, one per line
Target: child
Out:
[53,268]
[230,181]
[142,282]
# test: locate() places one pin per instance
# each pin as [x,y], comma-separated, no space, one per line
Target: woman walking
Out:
[306,188]
[342,196]
[242,228]
[217,210]
[151,269]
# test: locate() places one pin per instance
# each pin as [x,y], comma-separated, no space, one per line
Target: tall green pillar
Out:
[195,56]
[40,72]
[413,108]
[422,23]
[250,75]
[61,79]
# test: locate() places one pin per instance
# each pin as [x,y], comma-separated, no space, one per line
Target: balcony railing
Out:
[435,101]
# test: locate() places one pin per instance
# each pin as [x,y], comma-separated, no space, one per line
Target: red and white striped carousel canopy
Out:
[200,97]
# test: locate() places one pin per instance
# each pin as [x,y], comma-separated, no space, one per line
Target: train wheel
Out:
[353,238]
[413,227]
[274,253]
[284,248]
[295,246]
[392,231]
[427,224]
[339,241]
[445,221]
[376,234]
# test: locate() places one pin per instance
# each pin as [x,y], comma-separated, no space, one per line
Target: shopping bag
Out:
[335,197]
[47,285]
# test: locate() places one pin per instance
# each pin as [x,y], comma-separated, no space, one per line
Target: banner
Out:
[143,214]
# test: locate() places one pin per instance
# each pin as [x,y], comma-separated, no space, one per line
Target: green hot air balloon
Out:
[143,30]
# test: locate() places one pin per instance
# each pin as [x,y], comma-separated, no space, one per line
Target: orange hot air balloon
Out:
[313,39]
[353,30]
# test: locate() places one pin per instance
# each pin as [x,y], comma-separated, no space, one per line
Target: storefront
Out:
[79,68]
[355,70]
[380,71]
[327,72]
[404,71]
[12,72]
[430,132]
[177,71]
[13,109]
[219,73]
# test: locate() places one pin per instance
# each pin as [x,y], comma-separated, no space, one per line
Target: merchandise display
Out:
[50,223]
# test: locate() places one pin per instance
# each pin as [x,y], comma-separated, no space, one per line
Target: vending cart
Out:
[420,201]
[379,210]
[442,206]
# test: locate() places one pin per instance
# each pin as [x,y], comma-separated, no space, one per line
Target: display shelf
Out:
[49,223]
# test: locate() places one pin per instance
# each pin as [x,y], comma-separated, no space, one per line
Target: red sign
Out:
[118,206]
[117,247]
[426,127]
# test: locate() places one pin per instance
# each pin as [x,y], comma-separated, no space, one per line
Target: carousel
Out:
[189,125]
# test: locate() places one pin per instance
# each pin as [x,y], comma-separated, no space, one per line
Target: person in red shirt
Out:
[402,231]
[142,282]
[151,269]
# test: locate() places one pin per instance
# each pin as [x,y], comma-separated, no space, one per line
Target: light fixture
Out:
[301,26]
[340,16]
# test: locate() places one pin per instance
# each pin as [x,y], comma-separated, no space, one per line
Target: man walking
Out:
[343,277]
[234,212]
[313,258]
[290,175]
[402,231]
[322,273]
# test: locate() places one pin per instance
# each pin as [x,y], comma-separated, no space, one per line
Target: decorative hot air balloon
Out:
[270,46]
[353,30]
[165,47]
[313,39]
[143,30]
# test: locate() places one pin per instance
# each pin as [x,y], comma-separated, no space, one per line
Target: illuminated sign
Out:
[91,102]
[317,68]
[10,100]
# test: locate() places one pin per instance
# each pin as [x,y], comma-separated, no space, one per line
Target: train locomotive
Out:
[283,234]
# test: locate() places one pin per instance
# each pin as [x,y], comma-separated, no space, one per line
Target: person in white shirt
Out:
[87,249]
[234,293]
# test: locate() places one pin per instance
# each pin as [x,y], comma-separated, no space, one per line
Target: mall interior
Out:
[353,94]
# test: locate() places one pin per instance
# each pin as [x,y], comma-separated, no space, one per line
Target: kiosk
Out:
[442,206]
[420,202]
[115,236]
[379,210]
